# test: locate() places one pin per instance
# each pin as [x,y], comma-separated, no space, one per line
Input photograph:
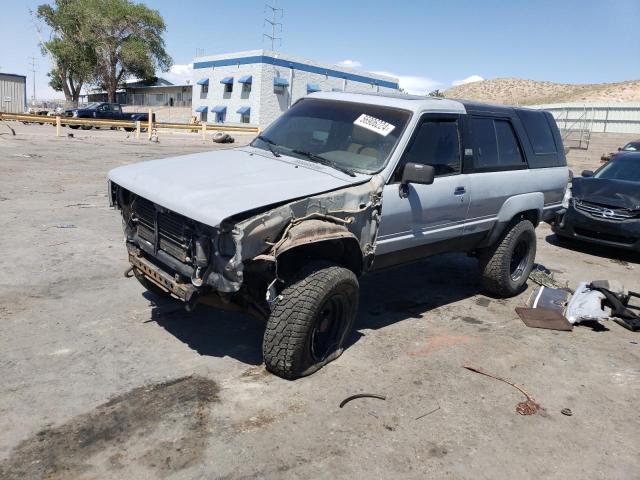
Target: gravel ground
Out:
[102,380]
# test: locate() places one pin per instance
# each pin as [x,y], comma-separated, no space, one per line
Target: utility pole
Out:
[276,27]
[33,65]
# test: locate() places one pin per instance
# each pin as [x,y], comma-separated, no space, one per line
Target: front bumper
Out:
[623,234]
[183,291]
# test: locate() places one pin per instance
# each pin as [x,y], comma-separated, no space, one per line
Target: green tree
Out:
[72,56]
[127,40]
[436,93]
[102,42]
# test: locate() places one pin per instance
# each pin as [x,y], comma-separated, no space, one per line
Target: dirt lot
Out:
[100,381]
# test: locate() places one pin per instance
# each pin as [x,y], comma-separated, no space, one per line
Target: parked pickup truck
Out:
[104,111]
[340,185]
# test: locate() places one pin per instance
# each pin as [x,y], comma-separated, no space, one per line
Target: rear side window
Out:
[539,131]
[485,143]
[495,144]
[509,152]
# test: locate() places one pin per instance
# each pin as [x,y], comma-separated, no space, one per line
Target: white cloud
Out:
[413,84]
[470,79]
[179,74]
[350,63]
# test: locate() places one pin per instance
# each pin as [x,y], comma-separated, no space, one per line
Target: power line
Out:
[33,64]
[276,26]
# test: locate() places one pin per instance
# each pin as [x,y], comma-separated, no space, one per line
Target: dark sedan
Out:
[604,207]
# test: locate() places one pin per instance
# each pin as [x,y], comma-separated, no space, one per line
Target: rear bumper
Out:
[572,223]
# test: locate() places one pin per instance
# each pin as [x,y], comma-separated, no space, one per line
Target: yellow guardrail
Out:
[150,125]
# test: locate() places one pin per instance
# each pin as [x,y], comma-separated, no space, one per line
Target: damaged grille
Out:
[174,231]
[599,211]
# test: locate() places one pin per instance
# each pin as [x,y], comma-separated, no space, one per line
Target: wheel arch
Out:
[319,240]
[528,206]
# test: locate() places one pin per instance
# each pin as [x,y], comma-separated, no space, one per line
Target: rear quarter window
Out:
[544,138]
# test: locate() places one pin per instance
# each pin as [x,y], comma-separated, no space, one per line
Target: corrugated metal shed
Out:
[606,117]
[13,93]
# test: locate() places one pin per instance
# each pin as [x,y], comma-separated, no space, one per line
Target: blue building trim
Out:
[279,62]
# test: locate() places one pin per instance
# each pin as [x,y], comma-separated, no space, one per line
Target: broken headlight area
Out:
[184,247]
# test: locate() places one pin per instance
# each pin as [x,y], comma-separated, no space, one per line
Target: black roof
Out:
[478,107]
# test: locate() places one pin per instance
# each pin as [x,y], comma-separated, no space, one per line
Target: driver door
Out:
[426,218]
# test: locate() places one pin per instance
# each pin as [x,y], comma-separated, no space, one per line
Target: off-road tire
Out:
[288,344]
[74,127]
[150,286]
[86,127]
[496,261]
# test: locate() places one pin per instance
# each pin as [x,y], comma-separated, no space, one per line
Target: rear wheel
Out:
[75,127]
[507,264]
[311,320]
[86,127]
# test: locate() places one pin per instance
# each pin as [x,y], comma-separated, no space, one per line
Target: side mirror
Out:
[587,173]
[418,173]
[619,149]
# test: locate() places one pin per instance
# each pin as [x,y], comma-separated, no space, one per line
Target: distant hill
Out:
[517,91]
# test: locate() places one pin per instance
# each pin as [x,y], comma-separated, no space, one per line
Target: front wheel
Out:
[311,320]
[507,264]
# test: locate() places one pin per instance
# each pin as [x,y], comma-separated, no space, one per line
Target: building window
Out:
[245,114]
[220,117]
[203,116]
[228,84]
[246,88]
[280,85]
[204,90]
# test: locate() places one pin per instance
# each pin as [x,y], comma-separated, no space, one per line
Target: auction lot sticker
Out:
[374,124]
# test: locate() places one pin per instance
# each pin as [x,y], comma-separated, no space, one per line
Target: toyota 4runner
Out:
[340,185]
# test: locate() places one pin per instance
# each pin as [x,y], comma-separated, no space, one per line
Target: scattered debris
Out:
[12,130]
[617,298]
[551,298]
[221,137]
[361,395]
[543,276]
[587,305]
[69,135]
[544,318]
[428,413]
[528,407]
[26,155]
[566,411]
[81,205]
[65,225]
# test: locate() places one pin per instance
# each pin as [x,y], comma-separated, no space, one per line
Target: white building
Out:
[257,86]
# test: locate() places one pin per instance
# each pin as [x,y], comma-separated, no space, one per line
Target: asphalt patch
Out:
[156,429]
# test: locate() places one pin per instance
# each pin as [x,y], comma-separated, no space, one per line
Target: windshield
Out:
[91,106]
[631,147]
[628,170]
[349,136]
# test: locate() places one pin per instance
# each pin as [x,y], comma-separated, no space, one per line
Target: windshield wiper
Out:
[324,161]
[270,145]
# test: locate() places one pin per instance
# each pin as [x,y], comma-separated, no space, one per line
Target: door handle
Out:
[460,191]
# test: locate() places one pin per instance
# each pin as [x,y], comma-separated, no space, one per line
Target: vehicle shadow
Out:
[386,297]
[409,291]
[209,331]
[602,251]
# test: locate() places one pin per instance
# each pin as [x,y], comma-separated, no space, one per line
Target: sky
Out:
[426,44]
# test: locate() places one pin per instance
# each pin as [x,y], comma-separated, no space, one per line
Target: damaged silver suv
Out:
[340,185]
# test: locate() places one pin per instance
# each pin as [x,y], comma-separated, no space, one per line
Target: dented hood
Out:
[612,193]
[211,186]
